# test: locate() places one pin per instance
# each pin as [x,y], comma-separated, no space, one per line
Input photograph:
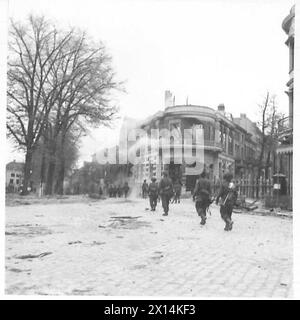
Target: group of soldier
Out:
[118,191]
[165,190]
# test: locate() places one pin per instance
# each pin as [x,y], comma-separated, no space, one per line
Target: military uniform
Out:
[153,194]
[228,195]
[202,196]
[126,189]
[166,193]
[144,189]
[177,190]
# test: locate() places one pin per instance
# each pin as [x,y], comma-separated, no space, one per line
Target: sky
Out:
[212,52]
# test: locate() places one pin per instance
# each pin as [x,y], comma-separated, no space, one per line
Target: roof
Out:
[13,165]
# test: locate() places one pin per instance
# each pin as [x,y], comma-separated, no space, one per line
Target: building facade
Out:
[230,144]
[285,125]
[14,176]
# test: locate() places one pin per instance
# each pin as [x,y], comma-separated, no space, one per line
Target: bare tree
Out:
[263,126]
[272,133]
[67,154]
[86,80]
[33,48]
[268,126]
[56,80]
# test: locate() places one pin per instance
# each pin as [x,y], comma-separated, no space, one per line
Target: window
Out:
[237,150]
[230,142]
[17,181]
[11,181]
[206,132]
[212,133]
[223,137]
[12,174]
[138,150]
[175,125]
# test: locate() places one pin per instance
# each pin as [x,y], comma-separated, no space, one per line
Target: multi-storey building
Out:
[285,125]
[14,175]
[229,145]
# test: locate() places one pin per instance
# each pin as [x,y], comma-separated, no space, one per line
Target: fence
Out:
[256,189]
[261,189]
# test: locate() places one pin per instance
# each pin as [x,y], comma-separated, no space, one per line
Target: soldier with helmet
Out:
[228,195]
[202,196]
[153,193]
[166,192]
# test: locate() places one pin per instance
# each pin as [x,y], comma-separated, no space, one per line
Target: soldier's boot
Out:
[228,225]
[203,220]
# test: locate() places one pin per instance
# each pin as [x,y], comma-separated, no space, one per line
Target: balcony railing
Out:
[285,130]
[285,125]
[208,144]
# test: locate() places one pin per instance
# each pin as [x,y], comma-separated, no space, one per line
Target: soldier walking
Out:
[120,191]
[126,189]
[153,193]
[166,192]
[228,195]
[202,194]
[177,191]
[144,189]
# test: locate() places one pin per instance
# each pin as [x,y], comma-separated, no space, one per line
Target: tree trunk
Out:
[27,174]
[267,165]
[61,177]
[51,147]
[61,171]
[50,177]
[43,171]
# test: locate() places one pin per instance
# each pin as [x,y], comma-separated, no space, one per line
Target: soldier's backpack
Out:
[153,189]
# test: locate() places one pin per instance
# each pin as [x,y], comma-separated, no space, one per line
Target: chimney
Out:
[221,107]
[168,98]
[243,115]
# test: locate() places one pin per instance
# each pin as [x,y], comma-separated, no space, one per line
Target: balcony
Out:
[285,129]
[208,145]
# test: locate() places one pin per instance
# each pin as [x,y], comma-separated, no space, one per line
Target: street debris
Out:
[18,270]
[128,222]
[139,266]
[97,243]
[32,256]
[74,242]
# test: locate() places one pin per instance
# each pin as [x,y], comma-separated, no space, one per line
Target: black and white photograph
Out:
[148,148]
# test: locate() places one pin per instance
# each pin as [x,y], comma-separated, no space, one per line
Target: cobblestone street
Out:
[87,249]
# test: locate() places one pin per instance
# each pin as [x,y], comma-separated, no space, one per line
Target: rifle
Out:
[210,202]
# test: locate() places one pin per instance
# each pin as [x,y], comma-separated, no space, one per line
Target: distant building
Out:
[285,125]
[14,176]
[251,146]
